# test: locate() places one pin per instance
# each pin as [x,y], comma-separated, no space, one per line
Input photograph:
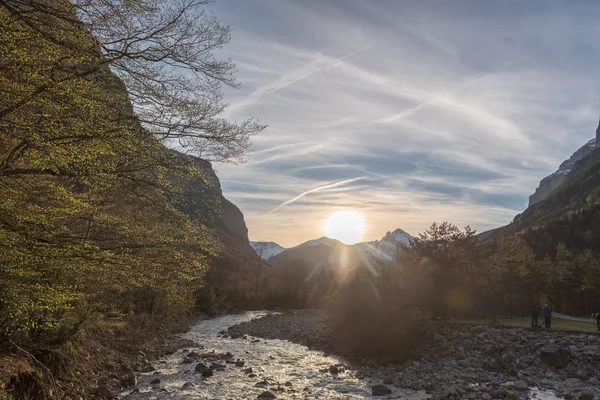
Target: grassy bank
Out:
[558,324]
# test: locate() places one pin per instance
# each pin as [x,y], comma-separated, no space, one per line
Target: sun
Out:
[346,226]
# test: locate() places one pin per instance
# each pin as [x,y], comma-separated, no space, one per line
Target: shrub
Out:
[374,325]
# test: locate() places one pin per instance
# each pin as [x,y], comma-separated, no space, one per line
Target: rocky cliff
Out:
[204,200]
[551,182]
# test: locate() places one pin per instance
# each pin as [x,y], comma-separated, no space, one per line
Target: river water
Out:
[298,373]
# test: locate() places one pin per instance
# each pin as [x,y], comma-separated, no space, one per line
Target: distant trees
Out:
[90,199]
[460,275]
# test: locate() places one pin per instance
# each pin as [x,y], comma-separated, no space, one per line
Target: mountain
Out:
[551,182]
[325,251]
[266,250]
[569,215]
[386,248]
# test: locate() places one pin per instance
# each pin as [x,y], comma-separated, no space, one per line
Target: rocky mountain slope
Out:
[551,182]
[570,215]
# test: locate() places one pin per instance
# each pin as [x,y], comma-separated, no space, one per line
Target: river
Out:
[288,370]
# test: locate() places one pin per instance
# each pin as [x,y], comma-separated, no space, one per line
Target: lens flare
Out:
[346,226]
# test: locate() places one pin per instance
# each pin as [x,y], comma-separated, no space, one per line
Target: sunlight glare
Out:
[346,226]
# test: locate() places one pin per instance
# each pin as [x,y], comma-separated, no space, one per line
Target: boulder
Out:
[104,392]
[240,363]
[155,381]
[554,356]
[521,385]
[585,396]
[204,370]
[129,379]
[334,369]
[380,390]
[266,395]
[187,385]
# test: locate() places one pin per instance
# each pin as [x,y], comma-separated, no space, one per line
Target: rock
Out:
[204,370]
[129,379]
[554,356]
[388,381]
[104,392]
[235,335]
[147,368]
[218,367]
[155,381]
[594,381]
[478,329]
[251,375]
[187,385]
[521,385]
[334,369]
[582,373]
[247,371]
[585,396]
[240,363]
[572,381]
[380,390]
[266,395]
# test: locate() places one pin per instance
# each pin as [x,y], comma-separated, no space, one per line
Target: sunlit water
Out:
[290,366]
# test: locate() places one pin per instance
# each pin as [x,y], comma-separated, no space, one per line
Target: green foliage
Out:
[95,211]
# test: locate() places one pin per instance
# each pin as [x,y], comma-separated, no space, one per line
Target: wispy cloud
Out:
[317,189]
[452,115]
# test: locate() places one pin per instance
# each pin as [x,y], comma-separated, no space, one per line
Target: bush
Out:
[374,325]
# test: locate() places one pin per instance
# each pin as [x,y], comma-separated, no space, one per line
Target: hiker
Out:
[547,312]
[598,321]
[534,316]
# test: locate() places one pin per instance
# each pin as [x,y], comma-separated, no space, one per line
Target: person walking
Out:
[547,313]
[534,316]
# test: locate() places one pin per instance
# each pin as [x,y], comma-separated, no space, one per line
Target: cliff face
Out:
[204,200]
[553,181]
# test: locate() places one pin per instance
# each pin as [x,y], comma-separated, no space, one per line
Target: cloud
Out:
[451,114]
[317,189]
[294,76]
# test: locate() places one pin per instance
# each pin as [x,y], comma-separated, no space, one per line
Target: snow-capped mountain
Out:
[320,252]
[324,240]
[552,181]
[266,250]
[388,247]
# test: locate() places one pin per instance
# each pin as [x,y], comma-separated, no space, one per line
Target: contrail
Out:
[431,101]
[323,68]
[317,189]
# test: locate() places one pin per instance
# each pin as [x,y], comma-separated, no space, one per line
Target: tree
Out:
[164,54]
[89,210]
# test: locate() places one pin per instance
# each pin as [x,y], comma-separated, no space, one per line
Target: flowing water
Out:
[296,370]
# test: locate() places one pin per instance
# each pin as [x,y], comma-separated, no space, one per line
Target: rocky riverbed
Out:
[262,355]
[464,361]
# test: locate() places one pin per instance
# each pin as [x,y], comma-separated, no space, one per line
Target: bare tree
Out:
[261,249]
[162,51]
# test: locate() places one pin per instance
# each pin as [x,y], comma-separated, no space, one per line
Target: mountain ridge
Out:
[385,248]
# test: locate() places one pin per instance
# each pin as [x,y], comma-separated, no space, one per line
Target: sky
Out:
[409,111]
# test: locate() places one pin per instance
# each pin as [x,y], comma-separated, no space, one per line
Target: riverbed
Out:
[246,367]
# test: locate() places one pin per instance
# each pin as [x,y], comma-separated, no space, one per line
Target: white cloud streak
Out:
[317,189]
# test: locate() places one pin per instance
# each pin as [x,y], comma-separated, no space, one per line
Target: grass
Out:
[561,325]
